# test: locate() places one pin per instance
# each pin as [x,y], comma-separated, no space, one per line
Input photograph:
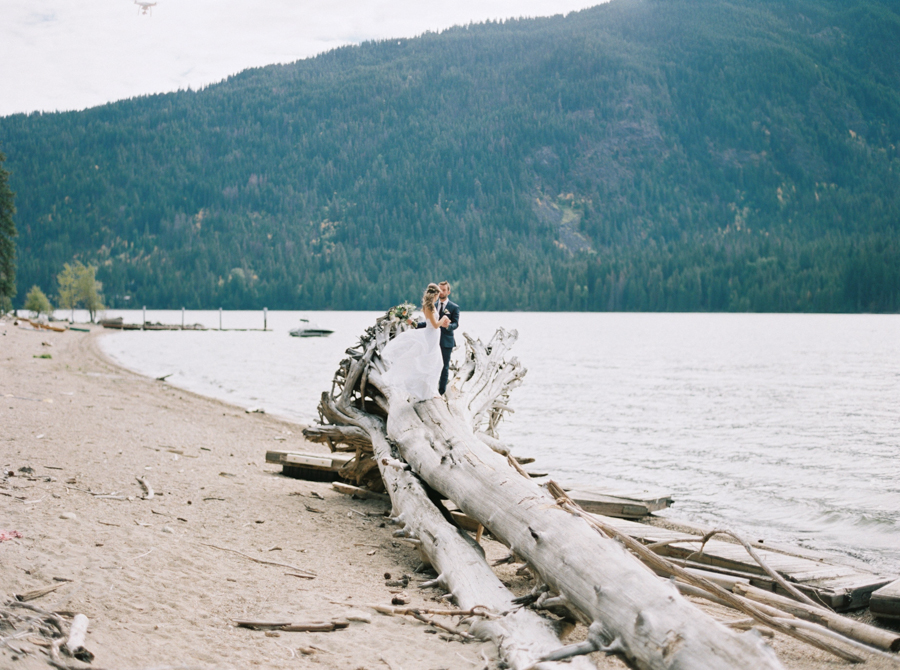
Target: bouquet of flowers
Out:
[401,312]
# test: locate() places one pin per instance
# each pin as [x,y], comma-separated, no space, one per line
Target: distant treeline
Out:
[640,155]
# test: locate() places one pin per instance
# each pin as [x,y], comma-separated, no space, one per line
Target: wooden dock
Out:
[885,602]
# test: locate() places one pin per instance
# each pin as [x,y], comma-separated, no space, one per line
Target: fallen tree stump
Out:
[451,446]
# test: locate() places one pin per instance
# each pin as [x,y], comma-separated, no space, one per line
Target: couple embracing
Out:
[419,360]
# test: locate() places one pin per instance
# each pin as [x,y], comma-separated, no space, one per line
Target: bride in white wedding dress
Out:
[414,356]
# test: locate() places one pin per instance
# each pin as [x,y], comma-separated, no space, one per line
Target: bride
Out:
[414,356]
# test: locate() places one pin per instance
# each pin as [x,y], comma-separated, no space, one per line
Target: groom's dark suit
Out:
[451,311]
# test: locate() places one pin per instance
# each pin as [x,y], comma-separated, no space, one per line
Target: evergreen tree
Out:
[7,241]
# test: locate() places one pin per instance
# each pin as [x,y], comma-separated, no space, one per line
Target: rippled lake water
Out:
[783,427]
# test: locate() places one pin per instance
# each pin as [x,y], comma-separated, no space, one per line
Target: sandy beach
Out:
[163,580]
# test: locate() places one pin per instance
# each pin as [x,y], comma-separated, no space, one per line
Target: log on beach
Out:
[451,446]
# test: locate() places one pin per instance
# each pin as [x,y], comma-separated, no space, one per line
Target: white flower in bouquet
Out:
[401,312]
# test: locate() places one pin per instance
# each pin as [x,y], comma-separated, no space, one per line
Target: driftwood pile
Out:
[21,621]
[586,571]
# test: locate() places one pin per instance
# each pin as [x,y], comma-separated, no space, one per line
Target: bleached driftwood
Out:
[451,446]
[856,630]
[77,633]
[520,634]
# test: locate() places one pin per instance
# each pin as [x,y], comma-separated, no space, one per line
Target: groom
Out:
[448,313]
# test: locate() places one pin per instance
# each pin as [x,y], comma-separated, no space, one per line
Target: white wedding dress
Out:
[415,362]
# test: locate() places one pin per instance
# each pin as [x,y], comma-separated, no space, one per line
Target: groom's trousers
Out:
[442,385]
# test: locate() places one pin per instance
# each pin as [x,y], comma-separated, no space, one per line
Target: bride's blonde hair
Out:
[431,292]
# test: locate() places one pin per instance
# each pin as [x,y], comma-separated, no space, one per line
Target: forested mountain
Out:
[640,155]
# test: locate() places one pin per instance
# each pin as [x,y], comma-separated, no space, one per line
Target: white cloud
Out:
[63,55]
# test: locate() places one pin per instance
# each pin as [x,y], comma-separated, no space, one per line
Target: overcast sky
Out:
[73,54]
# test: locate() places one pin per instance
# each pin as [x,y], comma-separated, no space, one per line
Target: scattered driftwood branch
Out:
[822,630]
[856,630]
[37,593]
[110,496]
[589,646]
[359,492]
[659,563]
[304,573]
[148,490]
[308,627]
[798,595]
[419,615]
[473,611]
[51,631]
[75,643]
[349,436]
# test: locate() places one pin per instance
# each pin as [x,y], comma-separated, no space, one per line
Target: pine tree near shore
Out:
[7,241]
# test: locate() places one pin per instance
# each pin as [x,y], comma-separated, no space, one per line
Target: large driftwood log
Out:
[520,634]
[453,446]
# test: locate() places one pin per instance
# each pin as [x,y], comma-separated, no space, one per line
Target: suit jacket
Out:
[447,339]
[452,311]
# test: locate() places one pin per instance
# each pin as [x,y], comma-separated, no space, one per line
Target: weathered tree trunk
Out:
[520,634]
[453,446]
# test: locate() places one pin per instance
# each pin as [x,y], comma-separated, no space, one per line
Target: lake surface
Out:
[782,427]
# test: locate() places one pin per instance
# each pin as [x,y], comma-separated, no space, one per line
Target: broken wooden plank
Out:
[618,505]
[333,461]
[312,467]
[885,602]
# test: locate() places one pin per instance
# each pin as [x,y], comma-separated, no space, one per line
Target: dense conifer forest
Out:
[641,155]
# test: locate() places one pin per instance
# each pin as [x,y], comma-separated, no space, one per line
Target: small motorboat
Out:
[308,328]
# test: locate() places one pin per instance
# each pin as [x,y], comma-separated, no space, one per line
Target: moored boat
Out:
[308,328]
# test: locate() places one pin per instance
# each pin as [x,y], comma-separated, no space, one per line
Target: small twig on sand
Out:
[114,495]
[309,627]
[259,560]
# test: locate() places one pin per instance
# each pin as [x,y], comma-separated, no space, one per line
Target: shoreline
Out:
[143,571]
[97,351]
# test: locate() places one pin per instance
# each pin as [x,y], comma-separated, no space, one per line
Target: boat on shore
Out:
[308,328]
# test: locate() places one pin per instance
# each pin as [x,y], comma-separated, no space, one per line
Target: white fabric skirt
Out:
[415,362]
